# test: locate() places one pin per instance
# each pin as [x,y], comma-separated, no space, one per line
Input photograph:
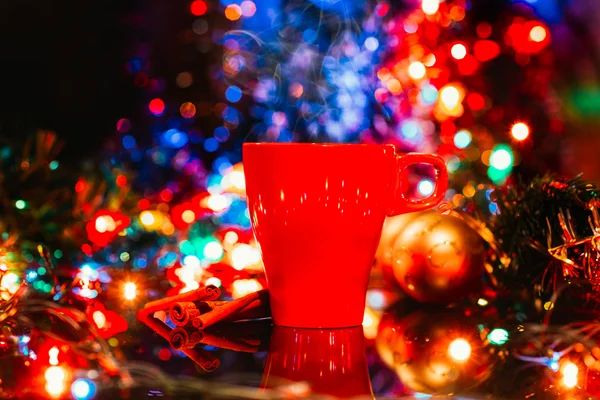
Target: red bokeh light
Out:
[198,8]
[475,101]
[382,9]
[156,106]
[166,195]
[164,354]
[484,30]
[121,180]
[486,50]
[80,185]
[144,204]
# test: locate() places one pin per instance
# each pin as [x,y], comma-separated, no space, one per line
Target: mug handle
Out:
[401,203]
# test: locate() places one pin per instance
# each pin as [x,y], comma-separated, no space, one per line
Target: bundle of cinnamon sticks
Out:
[200,319]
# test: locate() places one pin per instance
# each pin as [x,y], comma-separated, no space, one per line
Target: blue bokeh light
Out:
[211,145]
[83,389]
[174,138]
[128,142]
[233,94]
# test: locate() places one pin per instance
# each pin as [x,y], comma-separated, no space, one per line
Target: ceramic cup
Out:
[317,211]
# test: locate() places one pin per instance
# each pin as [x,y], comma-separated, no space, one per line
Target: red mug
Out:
[317,211]
[330,361]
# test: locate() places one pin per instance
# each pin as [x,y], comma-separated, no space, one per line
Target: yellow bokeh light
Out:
[147,218]
[417,70]
[152,219]
[570,372]
[430,60]
[458,51]
[231,237]
[234,181]
[394,86]
[430,7]
[10,282]
[383,74]
[105,224]
[469,190]
[459,349]
[233,12]
[242,287]
[99,319]
[519,131]
[450,97]
[53,355]
[243,255]
[538,34]
[370,323]
[130,291]
[55,380]
[188,216]
[218,202]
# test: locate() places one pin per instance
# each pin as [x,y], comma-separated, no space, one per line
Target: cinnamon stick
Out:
[185,314]
[253,305]
[227,343]
[209,292]
[182,338]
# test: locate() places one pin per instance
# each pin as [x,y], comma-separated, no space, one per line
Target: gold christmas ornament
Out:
[438,258]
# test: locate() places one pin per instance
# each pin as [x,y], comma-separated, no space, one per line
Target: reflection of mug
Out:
[317,212]
[333,361]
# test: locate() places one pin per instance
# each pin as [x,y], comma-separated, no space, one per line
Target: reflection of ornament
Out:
[434,352]
[438,258]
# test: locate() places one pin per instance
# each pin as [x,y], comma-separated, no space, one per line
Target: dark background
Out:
[62,68]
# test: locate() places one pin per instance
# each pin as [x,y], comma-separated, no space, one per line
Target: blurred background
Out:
[67,65]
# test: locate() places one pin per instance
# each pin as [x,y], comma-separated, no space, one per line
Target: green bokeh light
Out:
[498,336]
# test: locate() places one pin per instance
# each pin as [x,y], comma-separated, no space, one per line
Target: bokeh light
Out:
[519,131]
[462,139]
[233,12]
[538,34]
[233,94]
[417,70]
[184,80]
[248,8]
[450,97]
[83,389]
[459,349]
[130,291]
[430,7]
[501,159]
[157,107]
[198,7]
[55,380]
[570,372]
[425,187]
[458,51]
[498,336]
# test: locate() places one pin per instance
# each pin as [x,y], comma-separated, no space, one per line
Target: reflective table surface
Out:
[397,353]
